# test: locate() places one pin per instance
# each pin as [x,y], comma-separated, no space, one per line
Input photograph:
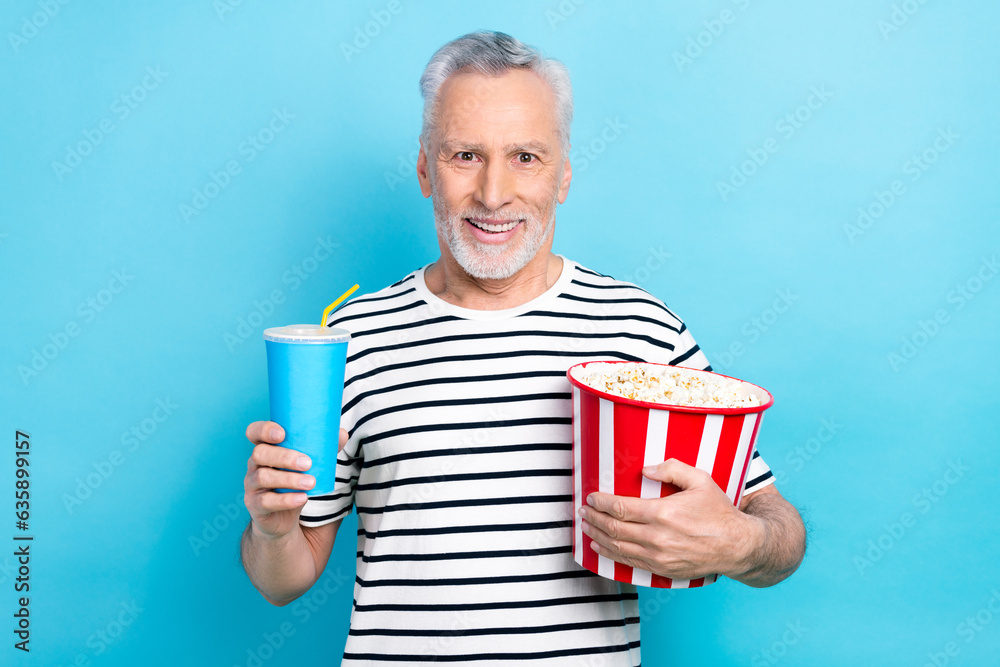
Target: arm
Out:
[284,568]
[282,558]
[779,544]
[697,531]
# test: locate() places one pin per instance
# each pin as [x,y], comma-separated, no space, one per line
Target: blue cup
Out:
[305,378]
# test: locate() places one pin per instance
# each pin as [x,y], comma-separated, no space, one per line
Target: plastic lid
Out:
[307,333]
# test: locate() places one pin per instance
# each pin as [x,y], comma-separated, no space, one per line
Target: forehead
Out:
[515,106]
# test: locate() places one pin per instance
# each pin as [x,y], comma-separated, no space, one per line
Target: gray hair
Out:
[494,53]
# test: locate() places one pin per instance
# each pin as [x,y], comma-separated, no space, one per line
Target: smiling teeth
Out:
[494,228]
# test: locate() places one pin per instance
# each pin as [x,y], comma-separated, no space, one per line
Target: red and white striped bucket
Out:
[615,437]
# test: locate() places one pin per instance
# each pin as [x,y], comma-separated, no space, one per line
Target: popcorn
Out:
[667,385]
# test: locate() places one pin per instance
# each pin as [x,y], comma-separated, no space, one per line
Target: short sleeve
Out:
[330,507]
[689,355]
[758,475]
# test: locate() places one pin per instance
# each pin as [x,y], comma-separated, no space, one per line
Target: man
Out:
[457,448]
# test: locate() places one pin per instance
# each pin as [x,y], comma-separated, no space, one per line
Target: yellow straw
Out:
[329,309]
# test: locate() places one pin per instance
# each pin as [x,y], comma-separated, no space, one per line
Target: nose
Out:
[496,185]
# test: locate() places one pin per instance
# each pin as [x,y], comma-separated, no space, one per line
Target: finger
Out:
[275,456]
[677,473]
[613,527]
[621,550]
[265,432]
[643,554]
[343,440]
[621,507]
[272,501]
[272,478]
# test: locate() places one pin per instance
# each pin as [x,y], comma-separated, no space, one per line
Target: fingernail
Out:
[649,470]
[590,499]
[303,462]
[582,511]
[308,481]
[275,433]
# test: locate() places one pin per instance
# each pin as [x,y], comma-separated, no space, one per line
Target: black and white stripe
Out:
[460,461]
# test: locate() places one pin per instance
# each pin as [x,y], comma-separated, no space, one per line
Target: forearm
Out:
[282,569]
[775,544]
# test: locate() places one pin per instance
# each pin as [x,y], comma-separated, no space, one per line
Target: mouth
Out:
[493,227]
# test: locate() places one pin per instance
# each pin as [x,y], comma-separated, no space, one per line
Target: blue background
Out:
[134,555]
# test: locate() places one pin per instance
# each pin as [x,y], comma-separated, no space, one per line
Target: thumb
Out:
[343,440]
[675,472]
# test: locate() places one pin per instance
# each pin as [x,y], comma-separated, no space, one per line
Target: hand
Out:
[276,514]
[692,533]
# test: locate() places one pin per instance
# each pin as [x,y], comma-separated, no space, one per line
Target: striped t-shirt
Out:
[460,465]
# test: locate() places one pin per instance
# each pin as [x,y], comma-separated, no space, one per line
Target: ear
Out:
[422,171]
[564,184]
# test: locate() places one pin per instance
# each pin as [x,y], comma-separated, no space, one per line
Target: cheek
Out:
[539,190]
[454,187]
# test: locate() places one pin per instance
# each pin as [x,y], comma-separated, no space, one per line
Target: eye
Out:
[466,156]
[525,158]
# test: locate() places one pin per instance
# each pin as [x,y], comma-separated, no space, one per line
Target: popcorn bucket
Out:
[615,437]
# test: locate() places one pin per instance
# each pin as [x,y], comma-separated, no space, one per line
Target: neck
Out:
[449,281]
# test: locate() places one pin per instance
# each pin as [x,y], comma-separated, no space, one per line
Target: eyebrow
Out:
[452,146]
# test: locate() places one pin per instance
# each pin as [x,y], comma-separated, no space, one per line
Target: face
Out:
[494,169]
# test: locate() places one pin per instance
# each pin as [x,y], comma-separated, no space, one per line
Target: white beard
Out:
[492,261]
